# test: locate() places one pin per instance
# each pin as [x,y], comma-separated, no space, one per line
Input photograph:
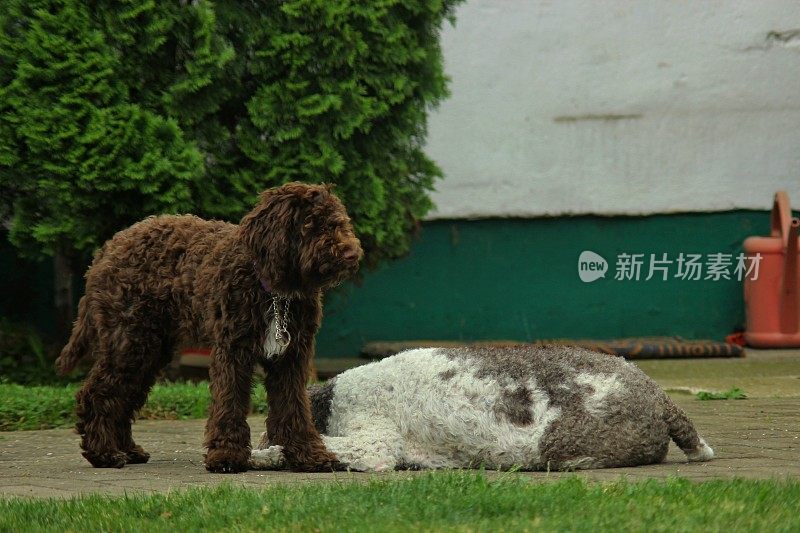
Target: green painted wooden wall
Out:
[503,279]
[518,279]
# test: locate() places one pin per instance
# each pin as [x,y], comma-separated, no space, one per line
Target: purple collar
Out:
[264,283]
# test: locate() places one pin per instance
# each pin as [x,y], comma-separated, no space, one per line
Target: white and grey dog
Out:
[533,408]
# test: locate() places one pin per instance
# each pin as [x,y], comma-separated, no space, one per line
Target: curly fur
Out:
[170,280]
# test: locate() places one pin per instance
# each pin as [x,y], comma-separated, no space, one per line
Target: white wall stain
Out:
[579,107]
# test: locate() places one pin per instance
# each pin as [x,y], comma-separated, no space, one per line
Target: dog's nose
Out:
[350,254]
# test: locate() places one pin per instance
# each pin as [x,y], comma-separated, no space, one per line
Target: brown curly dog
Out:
[244,290]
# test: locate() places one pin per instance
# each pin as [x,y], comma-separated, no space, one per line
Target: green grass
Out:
[734,393]
[441,501]
[44,407]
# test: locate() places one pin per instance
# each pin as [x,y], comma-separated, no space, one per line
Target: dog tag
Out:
[272,346]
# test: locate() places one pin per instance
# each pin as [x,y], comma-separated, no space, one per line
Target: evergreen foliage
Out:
[111,111]
[79,157]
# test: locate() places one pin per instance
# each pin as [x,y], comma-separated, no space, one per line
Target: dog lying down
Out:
[532,408]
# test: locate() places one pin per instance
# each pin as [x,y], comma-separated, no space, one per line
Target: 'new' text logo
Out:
[591,266]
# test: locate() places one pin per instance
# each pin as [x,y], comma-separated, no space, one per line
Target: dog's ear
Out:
[266,231]
[320,194]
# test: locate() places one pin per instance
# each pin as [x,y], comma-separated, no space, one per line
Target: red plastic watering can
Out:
[771,300]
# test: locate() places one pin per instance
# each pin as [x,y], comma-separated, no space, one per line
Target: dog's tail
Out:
[79,342]
[683,432]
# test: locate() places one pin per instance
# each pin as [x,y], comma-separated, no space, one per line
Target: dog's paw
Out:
[221,461]
[263,441]
[137,455]
[114,459]
[313,461]
[270,458]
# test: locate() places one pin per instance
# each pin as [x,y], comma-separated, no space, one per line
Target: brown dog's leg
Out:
[289,423]
[98,408]
[227,432]
[116,388]
[138,389]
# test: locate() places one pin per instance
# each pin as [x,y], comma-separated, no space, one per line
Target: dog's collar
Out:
[264,282]
[278,336]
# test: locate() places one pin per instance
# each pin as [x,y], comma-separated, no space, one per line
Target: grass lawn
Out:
[44,407]
[462,501]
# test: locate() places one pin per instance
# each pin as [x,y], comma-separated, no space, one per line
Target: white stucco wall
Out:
[609,107]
